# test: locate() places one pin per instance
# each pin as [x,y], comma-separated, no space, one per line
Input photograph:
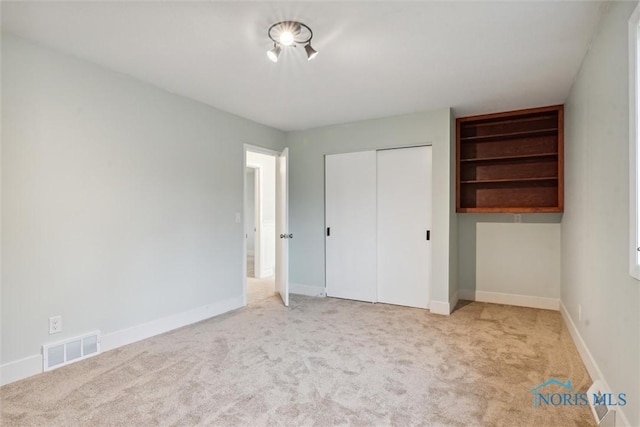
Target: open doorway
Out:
[260,225]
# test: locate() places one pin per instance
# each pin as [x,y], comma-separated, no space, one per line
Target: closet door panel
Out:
[403,218]
[350,203]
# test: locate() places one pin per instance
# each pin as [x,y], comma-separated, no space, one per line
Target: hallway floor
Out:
[258,289]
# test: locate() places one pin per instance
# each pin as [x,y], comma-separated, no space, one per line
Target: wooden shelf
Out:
[510,158]
[511,162]
[511,210]
[510,135]
[509,180]
[508,117]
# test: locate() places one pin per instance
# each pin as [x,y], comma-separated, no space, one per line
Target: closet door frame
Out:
[362,284]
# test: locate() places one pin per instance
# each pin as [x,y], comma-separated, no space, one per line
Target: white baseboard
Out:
[587,358]
[440,307]
[155,327]
[453,302]
[20,369]
[585,354]
[444,308]
[308,290]
[510,299]
[32,365]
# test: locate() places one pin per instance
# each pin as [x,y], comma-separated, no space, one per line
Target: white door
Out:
[282,227]
[350,203]
[404,220]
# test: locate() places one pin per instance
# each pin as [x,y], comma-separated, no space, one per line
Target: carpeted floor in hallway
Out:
[258,289]
[324,362]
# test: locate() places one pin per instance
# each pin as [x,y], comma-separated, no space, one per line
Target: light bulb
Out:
[286,38]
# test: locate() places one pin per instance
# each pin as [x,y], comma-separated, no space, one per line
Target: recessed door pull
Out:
[328,231]
[428,234]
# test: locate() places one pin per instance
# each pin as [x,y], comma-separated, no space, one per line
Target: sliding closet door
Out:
[404,216]
[350,200]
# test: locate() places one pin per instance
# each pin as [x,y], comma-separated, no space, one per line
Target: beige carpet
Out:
[323,362]
[259,289]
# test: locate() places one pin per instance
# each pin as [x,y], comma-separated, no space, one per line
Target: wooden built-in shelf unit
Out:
[511,162]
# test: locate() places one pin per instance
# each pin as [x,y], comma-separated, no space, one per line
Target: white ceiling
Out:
[376,59]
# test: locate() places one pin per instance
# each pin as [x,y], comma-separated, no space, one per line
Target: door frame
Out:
[257,214]
[282,226]
[261,150]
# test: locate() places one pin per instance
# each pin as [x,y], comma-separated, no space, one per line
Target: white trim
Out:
[244,225]
[308,290]
[510,299]
[587,358]
[261,150]
[453,301]
[32,365]
[440,307]
[159,326]
[634,209]
[444,308]
[259,271]
[256,149]
[20,369]
[257,219]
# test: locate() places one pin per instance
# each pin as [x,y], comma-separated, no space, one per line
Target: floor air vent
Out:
[71,350]
[600,405]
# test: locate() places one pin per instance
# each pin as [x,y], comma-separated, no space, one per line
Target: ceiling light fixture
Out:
[290,33]
[274,53]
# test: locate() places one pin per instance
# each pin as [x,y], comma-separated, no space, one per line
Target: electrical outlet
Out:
[579,312]
[55,325]
[517,218]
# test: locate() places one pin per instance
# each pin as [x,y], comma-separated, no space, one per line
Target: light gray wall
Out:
[467,224]
[595,230]
[306,188]
[119,199]
[521,259]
